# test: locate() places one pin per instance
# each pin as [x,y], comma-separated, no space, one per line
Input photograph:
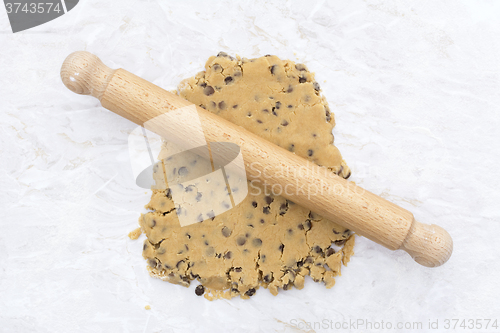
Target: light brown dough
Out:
[266,240]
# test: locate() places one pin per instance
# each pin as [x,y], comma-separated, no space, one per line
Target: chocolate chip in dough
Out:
[257,242]
[241,241]
[226,232]
[200,290]
[208,90]
[250,292]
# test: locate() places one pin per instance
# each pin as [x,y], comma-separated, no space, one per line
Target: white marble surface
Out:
[415,90]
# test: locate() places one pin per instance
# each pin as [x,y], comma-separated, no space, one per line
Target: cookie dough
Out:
[266,240]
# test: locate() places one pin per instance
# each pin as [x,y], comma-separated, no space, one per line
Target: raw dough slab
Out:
[266,240]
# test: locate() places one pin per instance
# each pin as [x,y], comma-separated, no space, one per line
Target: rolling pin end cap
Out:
[428,245]
[84,73]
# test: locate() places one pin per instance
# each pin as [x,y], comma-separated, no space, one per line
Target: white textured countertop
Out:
[415,90]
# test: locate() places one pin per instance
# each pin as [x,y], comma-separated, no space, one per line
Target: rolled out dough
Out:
[266,240]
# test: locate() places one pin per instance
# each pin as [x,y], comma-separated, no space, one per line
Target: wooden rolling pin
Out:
[340,200]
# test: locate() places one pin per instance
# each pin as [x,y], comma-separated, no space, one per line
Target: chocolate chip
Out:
[228,80]
[222,54]
[284,123]
[217,67]
[281,247]
[290,89]
[257,242]
[254,204]
[238,269]
[259,121]
[250,292]
[310,152]
[318,249]
[241,241]
[234,290]
[278,105]
[273,69]
[268,278]
[226,232]
[208,90]
[262,221]
[249,114]
[247,235]
[188,235]
[348,175]
[301,67]
[186,247]
[182,171]
[222,105]
[302,79]
[213,105]
[265,110]
[206,243]
[145,246]
[179,263]
[152,262]
[328,116]
[292,147]
[200,290]
[266,210]
[316,86]
[235,106]
[335,232]
[274,112]
[329,252]
[153,223]
[198,197]
[308,225]
[168,193]
[268,199]
[300,226]
[340,242]
[228,255]
[290,106]
[290,231]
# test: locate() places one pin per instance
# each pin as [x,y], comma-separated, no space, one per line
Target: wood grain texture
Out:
[301,181]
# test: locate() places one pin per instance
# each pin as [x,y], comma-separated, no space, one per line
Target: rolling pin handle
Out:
[84,73]
[428,245]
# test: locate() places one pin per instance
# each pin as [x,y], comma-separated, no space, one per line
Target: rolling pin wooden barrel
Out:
[339,200]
